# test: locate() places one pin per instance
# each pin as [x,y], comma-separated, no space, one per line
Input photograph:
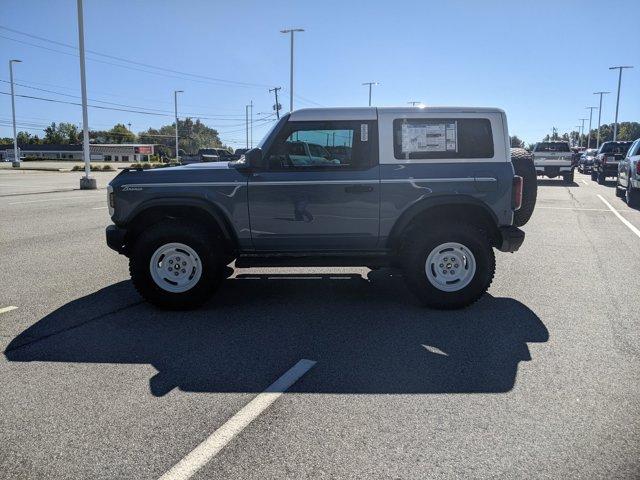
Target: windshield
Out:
[552,147]
[617,148]
[271,130]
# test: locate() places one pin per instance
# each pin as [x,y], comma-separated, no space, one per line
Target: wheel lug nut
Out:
[184,271]
[455,265]
[176,274]
[444,271]
[170,269]
[441,265]
[170,262]
[184,264]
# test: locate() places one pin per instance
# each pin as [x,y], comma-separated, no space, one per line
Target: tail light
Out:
[516,193]
[638,168]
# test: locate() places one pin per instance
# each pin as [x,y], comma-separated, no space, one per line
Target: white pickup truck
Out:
[553,159]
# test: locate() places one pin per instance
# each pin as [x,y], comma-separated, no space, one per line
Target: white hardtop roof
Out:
[370,113]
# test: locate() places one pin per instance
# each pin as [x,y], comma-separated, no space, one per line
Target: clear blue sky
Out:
[539,61]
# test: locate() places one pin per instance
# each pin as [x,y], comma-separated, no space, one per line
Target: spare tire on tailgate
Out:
[523,166]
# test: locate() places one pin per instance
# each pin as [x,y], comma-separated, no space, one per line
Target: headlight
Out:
[110,200]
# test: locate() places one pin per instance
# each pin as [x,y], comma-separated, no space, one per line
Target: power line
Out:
[125,60]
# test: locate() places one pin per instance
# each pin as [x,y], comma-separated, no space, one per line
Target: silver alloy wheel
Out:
[175,267]
[450,267]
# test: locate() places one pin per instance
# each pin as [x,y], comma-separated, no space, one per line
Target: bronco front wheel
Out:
[175,265]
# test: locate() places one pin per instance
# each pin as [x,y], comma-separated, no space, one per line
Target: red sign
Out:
[144,150]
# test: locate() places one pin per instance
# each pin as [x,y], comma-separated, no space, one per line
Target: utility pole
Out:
[578,139]
[413,104]
[175,107]
[370,85]
[582,130]
[251,124]
[86,183]
[16,156]
[276,107]
[591,109]
[246,124]
[599,115]
[615,124]
[291,31]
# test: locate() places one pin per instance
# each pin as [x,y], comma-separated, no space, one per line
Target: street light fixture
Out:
[175,106]
[291,31]
[615,124]
[599,115]
[370,85]
[16,157]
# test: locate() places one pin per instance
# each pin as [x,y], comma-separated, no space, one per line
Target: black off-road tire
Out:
[632,196]
[523,166]
[594,175]
[601,177]
[620,191]
[207,247]
[568,177]
[417,246]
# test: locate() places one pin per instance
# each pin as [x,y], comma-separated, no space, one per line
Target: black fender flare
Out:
[433,202]
[179,201]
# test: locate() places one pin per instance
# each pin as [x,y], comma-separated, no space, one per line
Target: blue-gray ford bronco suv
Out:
[428,190]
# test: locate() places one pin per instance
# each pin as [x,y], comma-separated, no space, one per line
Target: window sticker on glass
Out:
[429,137]
[364,132]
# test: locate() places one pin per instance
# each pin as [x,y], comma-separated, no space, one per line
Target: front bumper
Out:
[511,239]
[116,239]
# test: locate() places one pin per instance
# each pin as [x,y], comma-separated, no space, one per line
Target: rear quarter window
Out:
[438,138]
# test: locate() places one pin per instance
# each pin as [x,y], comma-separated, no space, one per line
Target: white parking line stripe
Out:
[584,181]
[7,309]
[210,447]
[55,200]
[620,217]
[572,208]
[98,208]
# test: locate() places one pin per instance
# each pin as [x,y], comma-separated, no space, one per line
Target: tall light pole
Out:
[86,183]
[582,129]
[591,109]
[578,142]
[16,157]
[615,124]
[370,85]
[291,31]
[599,115]
[175,107]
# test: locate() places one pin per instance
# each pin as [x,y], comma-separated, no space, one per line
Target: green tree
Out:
[120,134]
[192,136]
[516,142]
[62,133]
[629,131]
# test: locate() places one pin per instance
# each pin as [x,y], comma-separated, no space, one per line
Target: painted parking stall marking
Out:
[620,217]
[7,309]
[211,446]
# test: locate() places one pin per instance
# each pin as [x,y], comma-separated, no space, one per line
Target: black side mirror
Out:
[251,159]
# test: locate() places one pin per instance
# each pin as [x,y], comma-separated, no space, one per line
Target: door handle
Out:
[358,188]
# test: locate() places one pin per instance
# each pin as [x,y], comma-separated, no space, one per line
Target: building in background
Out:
[100,152]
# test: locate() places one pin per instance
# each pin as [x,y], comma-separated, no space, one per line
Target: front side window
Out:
[321,146]
[438,138]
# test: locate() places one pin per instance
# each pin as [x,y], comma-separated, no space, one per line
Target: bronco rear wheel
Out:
[176,265]
[523,166]
[449,268]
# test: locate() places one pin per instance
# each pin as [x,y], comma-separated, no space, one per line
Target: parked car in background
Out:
[239,152]
[586,160]
[628,181]
[553,159]
[215,155]
[605,163]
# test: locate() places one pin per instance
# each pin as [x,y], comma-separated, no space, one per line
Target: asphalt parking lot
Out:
[537,380]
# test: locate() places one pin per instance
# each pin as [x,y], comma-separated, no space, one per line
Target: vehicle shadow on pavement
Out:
[367,336]
[556,182]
